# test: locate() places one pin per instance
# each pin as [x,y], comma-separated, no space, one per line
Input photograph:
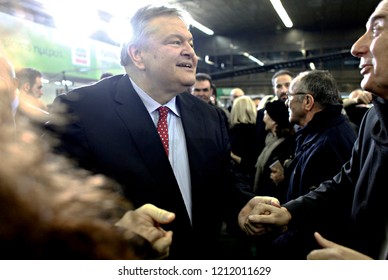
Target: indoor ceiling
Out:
[323,30]
[232,17]
[320,27]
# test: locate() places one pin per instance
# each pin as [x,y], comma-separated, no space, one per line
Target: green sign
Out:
[28,44]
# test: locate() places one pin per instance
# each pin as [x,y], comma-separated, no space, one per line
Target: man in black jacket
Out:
[359,190]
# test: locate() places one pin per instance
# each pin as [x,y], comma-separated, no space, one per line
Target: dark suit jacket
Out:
[112,133]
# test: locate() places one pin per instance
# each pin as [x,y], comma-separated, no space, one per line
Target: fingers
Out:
[148,219]
[255,229]
[145,221]
[323,242]
[252,207]
[263,200]
[259,205]
[162,245]
[330,250]
[261,216]
[157,214]
[151,233]
[159,238]
[365,97]
[270,215]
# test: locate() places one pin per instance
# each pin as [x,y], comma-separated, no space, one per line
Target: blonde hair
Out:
[243,111]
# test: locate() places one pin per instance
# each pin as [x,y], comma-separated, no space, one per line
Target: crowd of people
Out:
[147,165]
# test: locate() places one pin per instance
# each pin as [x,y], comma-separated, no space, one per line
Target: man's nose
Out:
[361,46]
[284,88]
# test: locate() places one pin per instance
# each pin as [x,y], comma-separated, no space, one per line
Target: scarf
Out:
[271,142]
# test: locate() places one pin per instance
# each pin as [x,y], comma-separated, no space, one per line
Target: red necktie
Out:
[162,126]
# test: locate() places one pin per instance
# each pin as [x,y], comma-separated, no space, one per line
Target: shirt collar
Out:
[15,105]
[151,104]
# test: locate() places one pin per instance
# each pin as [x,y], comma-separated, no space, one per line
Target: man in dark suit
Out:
[112,129]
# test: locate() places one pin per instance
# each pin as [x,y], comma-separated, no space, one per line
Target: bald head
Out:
[236,93]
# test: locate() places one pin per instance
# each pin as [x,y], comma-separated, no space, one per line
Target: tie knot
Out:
[163,111]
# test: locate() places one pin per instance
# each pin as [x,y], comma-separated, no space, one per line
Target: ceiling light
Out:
[201,27]
[282,13]
[208,61]
[254,59]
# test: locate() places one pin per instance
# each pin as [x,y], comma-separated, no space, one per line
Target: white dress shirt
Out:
[178,156]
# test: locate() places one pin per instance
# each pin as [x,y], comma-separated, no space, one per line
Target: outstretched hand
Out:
[263,214]
[334,251]
[145,221]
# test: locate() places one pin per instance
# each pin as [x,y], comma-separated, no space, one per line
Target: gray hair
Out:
[320,84]
[140,28]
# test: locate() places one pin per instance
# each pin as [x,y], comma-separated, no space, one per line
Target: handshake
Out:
[263,214]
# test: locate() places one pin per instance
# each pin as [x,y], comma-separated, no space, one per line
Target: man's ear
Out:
[25,87]
[135,55]
[308,102]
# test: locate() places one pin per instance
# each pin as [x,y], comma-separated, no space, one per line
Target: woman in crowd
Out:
[279,147]
[242,136]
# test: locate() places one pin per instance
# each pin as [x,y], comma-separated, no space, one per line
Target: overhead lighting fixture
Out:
[254,59]
[278,6]
[208,61]
[201,27]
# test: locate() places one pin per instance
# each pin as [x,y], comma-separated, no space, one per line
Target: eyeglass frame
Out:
[294,94]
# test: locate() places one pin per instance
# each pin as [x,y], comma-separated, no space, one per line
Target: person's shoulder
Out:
[104,84]
[99,88]
[188,98]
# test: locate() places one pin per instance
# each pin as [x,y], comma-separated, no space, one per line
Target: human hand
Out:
[277,173]
[358,96]
[236,158]
[145,221]
[363,97]
[263,214]
[334,251]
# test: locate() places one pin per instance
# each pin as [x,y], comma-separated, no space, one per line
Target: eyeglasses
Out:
[293,94]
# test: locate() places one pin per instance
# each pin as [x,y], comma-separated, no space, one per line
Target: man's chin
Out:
[188,83]
[283,97]
[367,85]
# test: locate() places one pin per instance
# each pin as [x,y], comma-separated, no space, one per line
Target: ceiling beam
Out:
[341,55]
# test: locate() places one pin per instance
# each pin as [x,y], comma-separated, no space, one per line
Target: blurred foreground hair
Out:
[50,210]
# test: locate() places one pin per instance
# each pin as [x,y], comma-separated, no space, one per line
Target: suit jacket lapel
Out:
[142,131]
[194,122]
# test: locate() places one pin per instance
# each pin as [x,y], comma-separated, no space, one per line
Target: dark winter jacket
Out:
[322,147]
[360,190]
